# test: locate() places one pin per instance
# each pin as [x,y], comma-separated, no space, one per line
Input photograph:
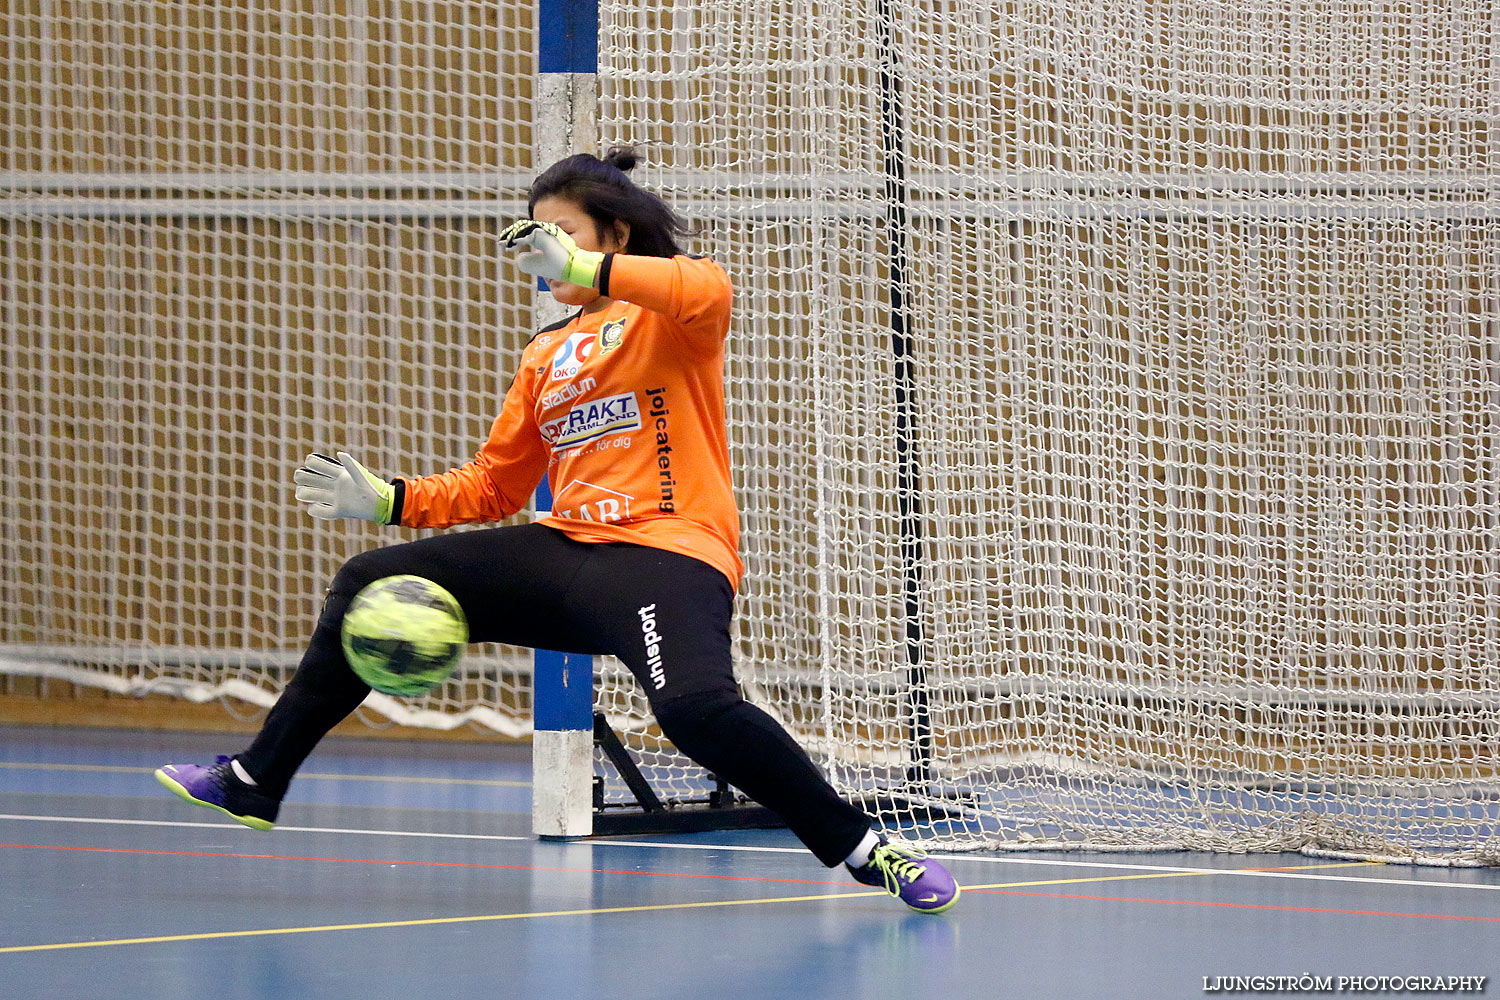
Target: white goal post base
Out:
[562,783]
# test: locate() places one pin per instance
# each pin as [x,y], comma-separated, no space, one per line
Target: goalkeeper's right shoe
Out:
[218,787]
[909,875]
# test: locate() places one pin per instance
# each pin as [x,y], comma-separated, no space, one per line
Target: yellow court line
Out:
[1303,868]
[27,766]
[1077,881]
[428,922]
[399,779]
[21,765]
[493,917]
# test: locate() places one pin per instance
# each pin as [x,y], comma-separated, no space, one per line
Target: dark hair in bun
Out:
[622,158]
[599,185]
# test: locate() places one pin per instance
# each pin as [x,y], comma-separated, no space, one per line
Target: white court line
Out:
[237,827]
[11,765]
[1100,865]
[1241,872]
[1109,866]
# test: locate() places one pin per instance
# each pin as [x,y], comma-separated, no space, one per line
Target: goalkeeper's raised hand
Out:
[552,254]
[343,488]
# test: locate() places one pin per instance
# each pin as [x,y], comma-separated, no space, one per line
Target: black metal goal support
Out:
[908,470]
[720,809]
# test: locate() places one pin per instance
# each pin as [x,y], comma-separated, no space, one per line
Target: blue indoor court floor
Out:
[408,870]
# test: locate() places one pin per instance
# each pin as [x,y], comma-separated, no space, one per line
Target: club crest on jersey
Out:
[611,335]
[571,354]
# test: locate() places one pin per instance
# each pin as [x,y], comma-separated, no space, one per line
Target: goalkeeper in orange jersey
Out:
[622,406]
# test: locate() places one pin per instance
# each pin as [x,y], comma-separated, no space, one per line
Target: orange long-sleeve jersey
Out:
[624,410]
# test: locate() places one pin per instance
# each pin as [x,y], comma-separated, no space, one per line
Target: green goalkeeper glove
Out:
[343,488]
[552,254]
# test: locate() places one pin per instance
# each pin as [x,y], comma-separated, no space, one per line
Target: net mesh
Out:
[1114,388]
[229,236]
[1115,393]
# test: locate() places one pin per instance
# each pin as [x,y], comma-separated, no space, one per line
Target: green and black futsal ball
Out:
[403,635]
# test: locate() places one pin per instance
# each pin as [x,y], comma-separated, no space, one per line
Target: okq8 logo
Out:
[571,354]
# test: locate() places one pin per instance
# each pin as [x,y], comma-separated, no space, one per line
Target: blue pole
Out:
[562,693]
[567,38]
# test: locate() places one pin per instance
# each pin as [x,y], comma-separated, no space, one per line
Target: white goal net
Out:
[1114,387]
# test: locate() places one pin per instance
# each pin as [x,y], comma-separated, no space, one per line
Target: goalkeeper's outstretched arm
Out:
[341,487]
[692,291]
[495,484]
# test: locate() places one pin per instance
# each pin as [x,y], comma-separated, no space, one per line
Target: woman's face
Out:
[570,217]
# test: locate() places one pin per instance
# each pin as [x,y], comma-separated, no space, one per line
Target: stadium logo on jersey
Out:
[592,420]
[569,392]
[571,354]
[611,335]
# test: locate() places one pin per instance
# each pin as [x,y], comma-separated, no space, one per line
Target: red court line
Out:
[1241,906]
[430,864]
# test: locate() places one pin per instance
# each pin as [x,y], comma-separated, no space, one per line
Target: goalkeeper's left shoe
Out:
[218,788]
[911,876]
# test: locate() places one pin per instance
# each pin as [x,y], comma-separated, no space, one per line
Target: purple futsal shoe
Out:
[911,876]
[218,788]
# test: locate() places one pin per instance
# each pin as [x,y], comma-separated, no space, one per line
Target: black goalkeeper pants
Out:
[530,585]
